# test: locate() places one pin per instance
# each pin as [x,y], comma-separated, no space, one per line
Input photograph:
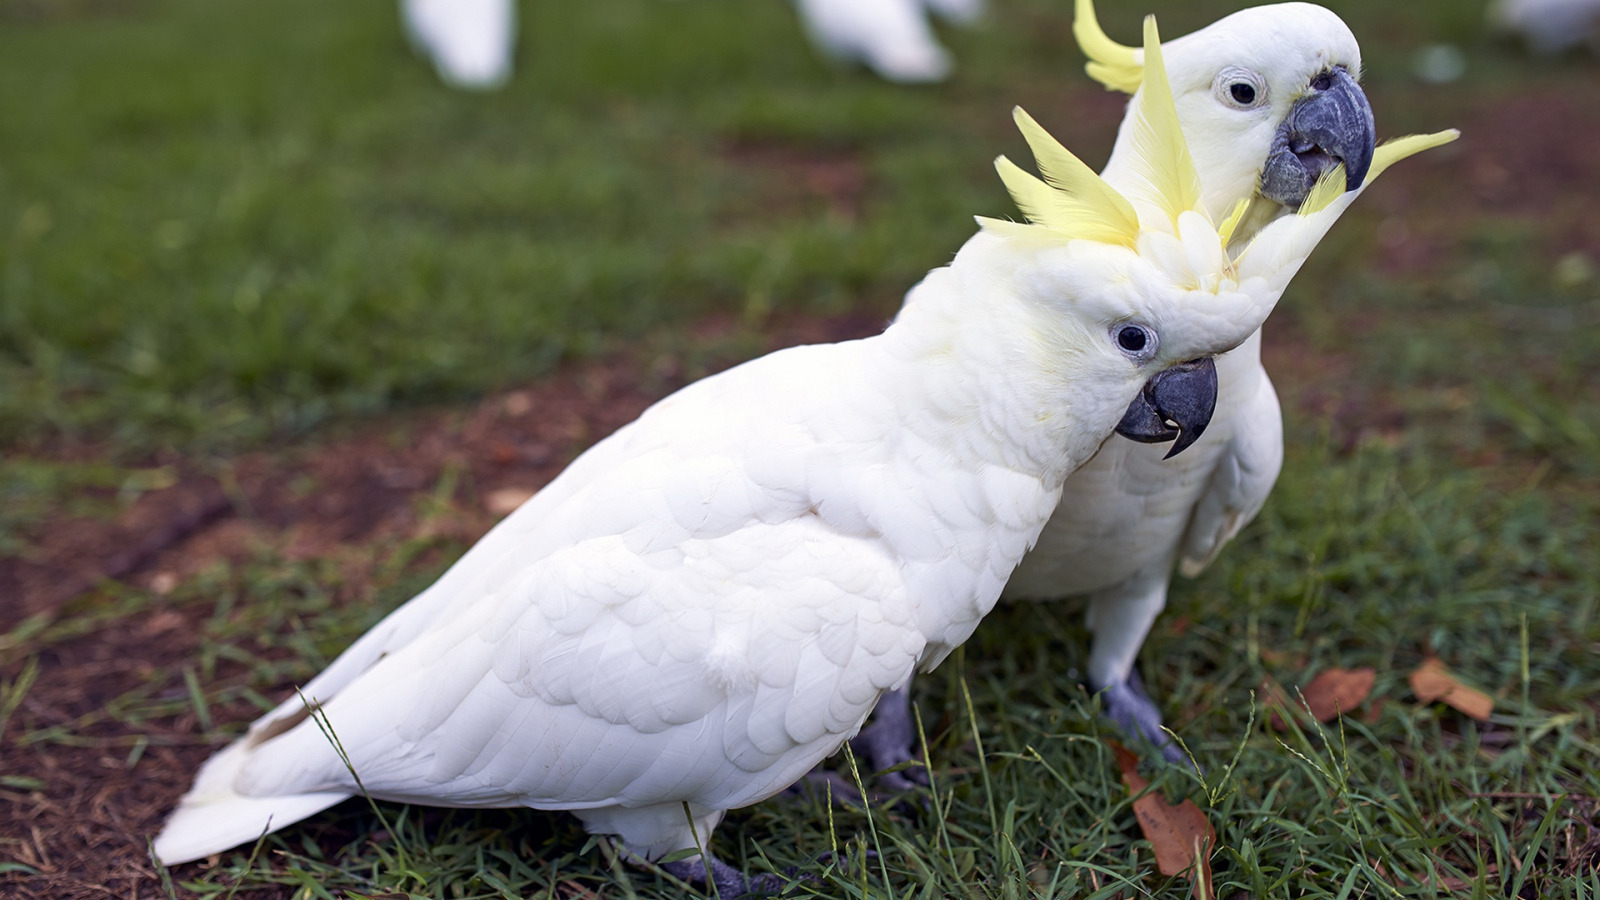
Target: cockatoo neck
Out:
[999,370]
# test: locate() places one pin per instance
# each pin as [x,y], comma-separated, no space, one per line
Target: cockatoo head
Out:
[1268,97]
[1148,265]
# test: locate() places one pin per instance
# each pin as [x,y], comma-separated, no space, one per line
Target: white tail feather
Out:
[213,817]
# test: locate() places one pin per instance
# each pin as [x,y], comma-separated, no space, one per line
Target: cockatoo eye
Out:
[1137,342]
[1240,88]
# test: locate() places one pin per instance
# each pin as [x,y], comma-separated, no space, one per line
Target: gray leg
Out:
[884,743]
[732,884]
[1120,618]
[887,740]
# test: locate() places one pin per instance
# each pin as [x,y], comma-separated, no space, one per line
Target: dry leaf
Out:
[1433,681]
[1332,693]
[504,501]
[1181,836]
[518,403]
[1335,691]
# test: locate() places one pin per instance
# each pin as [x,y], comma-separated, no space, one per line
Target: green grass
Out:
[225,220]
[224,223]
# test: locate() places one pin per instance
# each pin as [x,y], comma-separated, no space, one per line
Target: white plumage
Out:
[710,601]
[1128,516]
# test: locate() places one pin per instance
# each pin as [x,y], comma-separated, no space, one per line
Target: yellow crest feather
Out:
[1170,181]
[1035,198]
[1332,183]
[1396,149]
[1231,223]
[1110,63]
[1085,205]
[1325,191]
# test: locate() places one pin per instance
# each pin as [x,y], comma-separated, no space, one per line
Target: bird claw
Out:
[1130,707]
[728,883]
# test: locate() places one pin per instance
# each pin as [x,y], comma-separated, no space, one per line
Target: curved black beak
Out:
[1175,405]
[1331,124]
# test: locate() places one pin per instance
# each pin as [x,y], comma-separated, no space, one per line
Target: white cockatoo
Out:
[470,42]
[710,601]
[1269,102]
[892,37]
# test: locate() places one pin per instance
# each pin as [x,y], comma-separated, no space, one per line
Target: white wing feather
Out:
[1240,483]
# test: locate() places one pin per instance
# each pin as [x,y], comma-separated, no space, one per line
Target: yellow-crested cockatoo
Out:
[1269,102]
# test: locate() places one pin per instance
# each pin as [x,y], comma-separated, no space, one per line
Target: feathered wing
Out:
[214,816]
[499,552]
[682,662]
[1240,482]
[646,659]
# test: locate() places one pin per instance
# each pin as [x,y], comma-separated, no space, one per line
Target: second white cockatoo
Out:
[1269,101]
[710,601]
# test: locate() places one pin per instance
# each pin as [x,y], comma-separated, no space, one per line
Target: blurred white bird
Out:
[710,601]
[892,37]
[1549,26]
[471,42]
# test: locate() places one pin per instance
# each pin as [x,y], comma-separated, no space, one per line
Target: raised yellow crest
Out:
[1110,63]
[1076,203]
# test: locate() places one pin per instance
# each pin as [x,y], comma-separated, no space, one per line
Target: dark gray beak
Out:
[1331,124]
[1176,406]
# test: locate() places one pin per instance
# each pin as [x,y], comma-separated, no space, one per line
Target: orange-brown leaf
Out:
[1181,835]
[1332,693]
[1128,765]
[1336,691]
[1433,681]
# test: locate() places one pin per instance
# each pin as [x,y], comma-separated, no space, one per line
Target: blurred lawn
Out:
[224,219]
[223,222]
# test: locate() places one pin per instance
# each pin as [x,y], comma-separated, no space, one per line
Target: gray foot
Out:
[886,742]
[1136,714]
